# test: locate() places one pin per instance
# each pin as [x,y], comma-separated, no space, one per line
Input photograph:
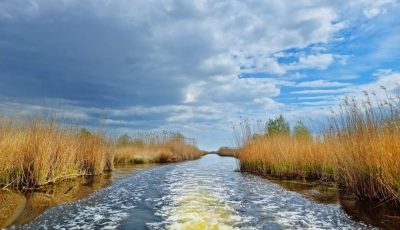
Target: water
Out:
[202,194]
[21,208]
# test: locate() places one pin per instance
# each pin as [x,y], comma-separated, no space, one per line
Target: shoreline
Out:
[68,189]
[369,211]
[61,192]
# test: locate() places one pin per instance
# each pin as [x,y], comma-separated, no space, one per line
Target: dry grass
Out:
[155,147]
[360,150]
[227,152]
[41,151]
[287,157]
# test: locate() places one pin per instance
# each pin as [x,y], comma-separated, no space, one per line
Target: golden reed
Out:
[359,149]
[156,147]
[38,151]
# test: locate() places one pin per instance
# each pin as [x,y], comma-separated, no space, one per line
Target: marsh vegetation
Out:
[155,147]
[227,151]
[359,149]
[38,151]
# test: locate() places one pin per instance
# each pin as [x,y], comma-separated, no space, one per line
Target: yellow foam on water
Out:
[201,210]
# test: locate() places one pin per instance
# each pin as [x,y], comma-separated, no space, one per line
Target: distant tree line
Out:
[154,138]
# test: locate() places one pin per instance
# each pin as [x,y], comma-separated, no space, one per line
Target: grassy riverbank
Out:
[155,147]
[39,151]
[359,149]
[227,152]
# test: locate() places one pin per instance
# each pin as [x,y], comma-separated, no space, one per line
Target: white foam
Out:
[206,192]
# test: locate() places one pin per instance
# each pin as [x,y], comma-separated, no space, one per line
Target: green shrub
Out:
[279,125]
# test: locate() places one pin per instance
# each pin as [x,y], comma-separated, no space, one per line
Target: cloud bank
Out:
[192,66]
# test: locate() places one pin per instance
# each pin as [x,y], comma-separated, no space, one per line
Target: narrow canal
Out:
[204,194]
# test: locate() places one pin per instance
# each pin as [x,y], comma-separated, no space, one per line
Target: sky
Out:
[193,66]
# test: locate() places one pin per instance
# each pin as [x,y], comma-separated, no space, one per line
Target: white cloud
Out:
[61,112]
[320,61]
[386,81]
[269,104]
[193,91]
[313,61]
[324,91]
[321,84]
[375,8]
[235,90]
[324,97]
[316,103]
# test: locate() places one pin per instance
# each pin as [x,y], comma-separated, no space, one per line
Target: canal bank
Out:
[19,208]
[201,194]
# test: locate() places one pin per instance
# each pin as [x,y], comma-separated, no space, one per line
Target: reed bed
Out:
[39,151]
[155,147]
[359,149]
[227,152]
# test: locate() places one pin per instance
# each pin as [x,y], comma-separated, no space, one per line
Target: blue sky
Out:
[193,66]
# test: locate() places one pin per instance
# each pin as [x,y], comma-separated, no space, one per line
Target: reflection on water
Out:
[11,206]
[38,202]
[20,208]
[369,212]
[374,213]
[322,193]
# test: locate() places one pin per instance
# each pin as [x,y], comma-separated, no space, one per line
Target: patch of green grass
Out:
[138,161]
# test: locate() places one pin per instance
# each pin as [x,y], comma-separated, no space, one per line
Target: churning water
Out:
[202,194]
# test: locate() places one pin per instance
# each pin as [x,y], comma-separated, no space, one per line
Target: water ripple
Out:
[203,194]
